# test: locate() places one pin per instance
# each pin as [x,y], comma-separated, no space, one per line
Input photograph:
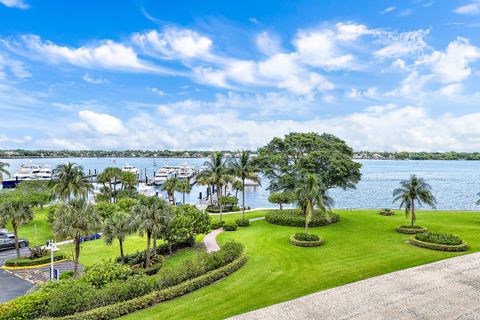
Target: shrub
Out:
[212,209]
[305,237]
[242,223]
[140,256]
[410,229]
[66,275]
[26,262]
[230,227]
[37,252]
[102,273]
[218,224]
[463,246]
[280,198]
[386,212]
[439,238]
[305,243]
[294,218]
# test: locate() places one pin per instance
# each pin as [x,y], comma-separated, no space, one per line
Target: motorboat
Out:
[44,173]
[162,175]
[27,171]
[130,168]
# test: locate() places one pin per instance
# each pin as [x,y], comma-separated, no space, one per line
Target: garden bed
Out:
[27,262]
[439,241]
[302,240]
[386,213]
[294,218]
[411,229]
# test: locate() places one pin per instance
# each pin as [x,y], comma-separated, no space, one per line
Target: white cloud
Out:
[388,9]
[472,8]
[101,123]
[403,44]
[157,91]
[19,4]
[87,78]
[351,31]
[267,44]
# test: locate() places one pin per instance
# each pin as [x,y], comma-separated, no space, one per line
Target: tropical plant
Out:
[129,180]
[3,170]
[74,220]
[205,180]
[171,185]
[70,180]
[117,226]
[280,198]
[411,191]
[151,216]
[109,178]
[309,194]
[217,169]
[17,213]
[184,187]
[237,185]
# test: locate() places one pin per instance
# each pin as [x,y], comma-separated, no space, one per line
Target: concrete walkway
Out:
[448,289]
[210,242]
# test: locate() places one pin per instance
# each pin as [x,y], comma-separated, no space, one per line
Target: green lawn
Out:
[362,245]
[37,231]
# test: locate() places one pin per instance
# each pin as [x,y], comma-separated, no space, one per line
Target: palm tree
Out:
[217,169]
[411,191]
[3,170]
[184,187]
[70,180]
[244,168]
[117,226]
[74,220]
[17,213]
[237,185]
[205,180]
[171,185]
[129,180]
[311,193]
[151,216]
[109,176]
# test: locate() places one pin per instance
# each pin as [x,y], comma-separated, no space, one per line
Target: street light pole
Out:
[52,246]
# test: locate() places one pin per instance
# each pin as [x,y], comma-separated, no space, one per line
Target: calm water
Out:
[455,183]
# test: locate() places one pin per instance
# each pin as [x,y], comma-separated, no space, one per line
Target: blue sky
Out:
[383,75]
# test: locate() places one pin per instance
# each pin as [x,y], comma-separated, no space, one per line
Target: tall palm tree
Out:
[205,180]
[117,226]
[70,180]
[237,185]
[184,187]
[151,216]
[74,220]
[129,180]
[217,169]
[3,170]
[109,177]
[310,193]
[244,168]
[17,213]
[171,185]
[411,191]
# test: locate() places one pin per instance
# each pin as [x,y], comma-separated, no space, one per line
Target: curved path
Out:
[447,289]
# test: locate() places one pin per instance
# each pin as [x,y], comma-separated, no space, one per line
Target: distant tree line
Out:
[451,155]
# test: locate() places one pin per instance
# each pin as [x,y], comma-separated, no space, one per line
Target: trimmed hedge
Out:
[243,223]
[305,243]
[440,247]
[27,262]
[153,269]
[439,238]
[122,308]
[386,212]
[217,225]
[230,227]
[410,229]
[294,218]
[137,257]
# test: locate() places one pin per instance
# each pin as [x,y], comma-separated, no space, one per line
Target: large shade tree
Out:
[287,161]
[74,220]
[309,194]
[217,169]
[244,168]
[70,180]
[414,191]
[17,213]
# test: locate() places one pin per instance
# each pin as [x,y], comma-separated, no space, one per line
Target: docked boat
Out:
[162,175]
[185,172]
[44,173]
[27,171]
[130,168]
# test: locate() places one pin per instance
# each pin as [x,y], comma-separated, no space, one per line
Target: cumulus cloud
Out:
[100,123]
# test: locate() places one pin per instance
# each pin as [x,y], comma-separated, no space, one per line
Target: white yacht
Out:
[162,175]
[27,171]
[184,172]
[129,168]
[44,173]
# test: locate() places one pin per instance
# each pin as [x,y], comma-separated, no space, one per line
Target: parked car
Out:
[7,243]
[6,233]
[94,236]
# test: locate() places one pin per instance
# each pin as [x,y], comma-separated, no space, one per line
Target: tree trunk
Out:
[121,251]
[211,194]
[184,197]
[281,206]
[15,233]
[147,253]
[170,247]
[413,212]
[219,196]
[154,244]
[77,255]
[243,199]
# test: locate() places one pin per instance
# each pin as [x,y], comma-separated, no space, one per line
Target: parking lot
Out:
[11,285]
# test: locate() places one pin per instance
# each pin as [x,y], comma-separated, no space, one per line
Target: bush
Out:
[66,275]
[37,252]
[386,212]
[140,256]
[439,238]
[305,237]
[213,209]
[294,218]
[27,262]
[410,229]
[230,227]
[217,225]
[463,246]
[102,273]
[242,223]
[305,243]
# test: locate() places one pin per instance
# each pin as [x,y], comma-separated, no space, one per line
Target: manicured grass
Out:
[37,232]
[362,245]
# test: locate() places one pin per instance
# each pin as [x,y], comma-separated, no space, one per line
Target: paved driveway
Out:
[11,286]
[448,289]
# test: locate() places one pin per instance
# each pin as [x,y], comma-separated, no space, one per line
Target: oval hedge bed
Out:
[303,240]
[411,229]
[27,262]
[294,218]
[439,241]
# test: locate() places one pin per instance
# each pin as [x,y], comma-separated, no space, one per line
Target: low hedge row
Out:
[122,308]
[440,247]
[153,269]
[230,227]
[217,224]
[27,262]
[294,218]
[302,243]
[242,223]
[137,257]
[410,229]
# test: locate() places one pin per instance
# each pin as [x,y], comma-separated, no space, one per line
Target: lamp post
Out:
[52,246]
